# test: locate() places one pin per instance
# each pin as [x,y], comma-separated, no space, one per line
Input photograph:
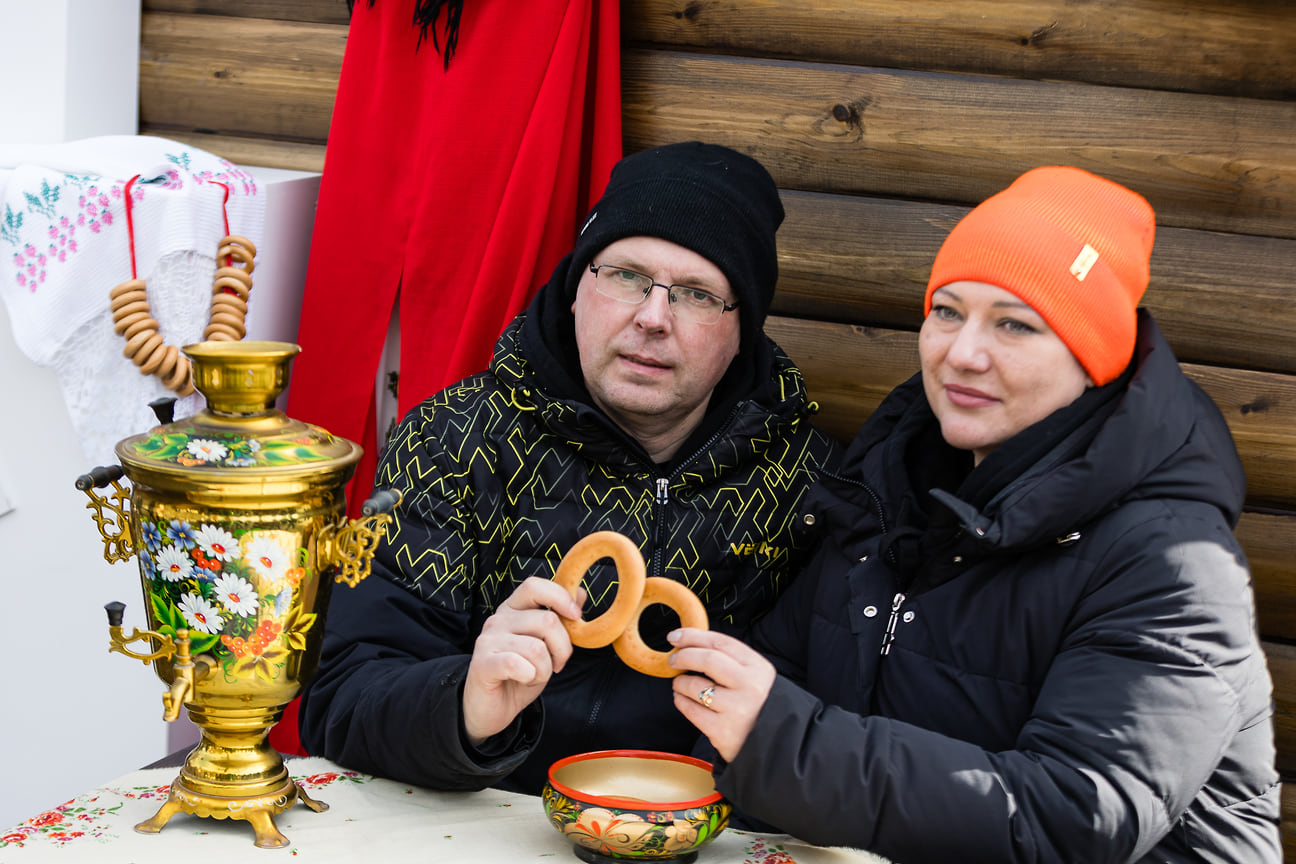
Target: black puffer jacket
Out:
[502,474]
[1071,668]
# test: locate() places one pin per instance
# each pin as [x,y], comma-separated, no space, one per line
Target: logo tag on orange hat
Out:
[1084,262]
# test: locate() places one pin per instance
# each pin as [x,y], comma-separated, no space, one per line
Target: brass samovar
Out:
[237,517]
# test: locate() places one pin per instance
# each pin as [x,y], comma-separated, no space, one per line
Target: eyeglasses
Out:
[687,304]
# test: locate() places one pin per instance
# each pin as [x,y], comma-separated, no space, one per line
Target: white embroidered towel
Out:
[65,245]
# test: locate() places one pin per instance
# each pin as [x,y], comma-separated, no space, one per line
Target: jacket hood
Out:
[1160,436]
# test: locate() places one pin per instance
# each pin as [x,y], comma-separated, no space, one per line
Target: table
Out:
[369,819]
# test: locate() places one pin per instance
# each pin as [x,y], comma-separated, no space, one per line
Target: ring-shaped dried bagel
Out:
[238,240]
[126,298]
[128,285]
[153,361]
[166,368]
[130,309]
[229,302]
[145,323]
[221,333]
[234,285]
[630,646]
[234,273]
[229,254]
[145,349]
[126,322]
[629,562]
[179,379]
[228,318]
[136,342]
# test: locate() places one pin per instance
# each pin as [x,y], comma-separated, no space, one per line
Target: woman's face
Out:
[991,366]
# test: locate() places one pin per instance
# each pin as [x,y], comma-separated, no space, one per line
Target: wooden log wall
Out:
[883,122]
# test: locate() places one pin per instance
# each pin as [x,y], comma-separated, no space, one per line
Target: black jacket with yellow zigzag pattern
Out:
[499,480]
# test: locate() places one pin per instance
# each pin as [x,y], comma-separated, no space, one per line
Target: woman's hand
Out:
[520,647]
[729,687]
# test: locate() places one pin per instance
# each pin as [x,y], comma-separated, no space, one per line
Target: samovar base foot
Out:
[258,811]
[317,806]
[267,835]
[159,820]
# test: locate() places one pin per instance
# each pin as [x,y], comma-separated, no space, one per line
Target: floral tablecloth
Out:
[369,819]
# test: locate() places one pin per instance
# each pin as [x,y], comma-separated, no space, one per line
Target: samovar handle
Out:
[382,501]
[351,546]
[115,524]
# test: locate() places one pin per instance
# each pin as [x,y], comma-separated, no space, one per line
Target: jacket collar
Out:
[1151,433]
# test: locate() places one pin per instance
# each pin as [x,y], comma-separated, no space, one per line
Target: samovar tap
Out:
[188,670]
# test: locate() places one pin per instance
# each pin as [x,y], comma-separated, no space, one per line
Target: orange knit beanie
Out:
[1071,244]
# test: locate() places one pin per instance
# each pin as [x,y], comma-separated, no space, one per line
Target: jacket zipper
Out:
[873,496]
[662,498]
[889,636]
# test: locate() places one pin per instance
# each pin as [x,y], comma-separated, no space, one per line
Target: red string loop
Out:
[130,225]
[229,259]
[130,220]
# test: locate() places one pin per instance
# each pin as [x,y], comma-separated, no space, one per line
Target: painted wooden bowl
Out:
[638,804]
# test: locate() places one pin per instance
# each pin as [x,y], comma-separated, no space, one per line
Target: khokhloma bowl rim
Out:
[631,803]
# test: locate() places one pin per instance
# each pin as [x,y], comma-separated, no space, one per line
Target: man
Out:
[637,394]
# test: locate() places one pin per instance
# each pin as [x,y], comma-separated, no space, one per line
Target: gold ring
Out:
[706,696]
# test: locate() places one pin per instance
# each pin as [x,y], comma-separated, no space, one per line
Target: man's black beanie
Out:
[715,201]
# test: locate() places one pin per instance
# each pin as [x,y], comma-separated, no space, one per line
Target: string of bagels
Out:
[133,319]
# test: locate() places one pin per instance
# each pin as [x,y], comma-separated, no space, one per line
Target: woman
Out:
[1030,633]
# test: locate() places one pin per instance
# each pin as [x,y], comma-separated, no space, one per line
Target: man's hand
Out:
[519,648]
[731,685]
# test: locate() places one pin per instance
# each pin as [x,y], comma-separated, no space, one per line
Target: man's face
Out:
[651,372]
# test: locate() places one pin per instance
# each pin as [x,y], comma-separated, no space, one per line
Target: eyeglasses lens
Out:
[687,304]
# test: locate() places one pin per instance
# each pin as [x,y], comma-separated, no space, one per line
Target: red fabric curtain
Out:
[451,189]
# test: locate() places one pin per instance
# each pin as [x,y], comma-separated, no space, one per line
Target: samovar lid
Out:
[240,436]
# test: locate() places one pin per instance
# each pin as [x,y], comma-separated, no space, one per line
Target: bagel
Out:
[630,646]
[629,562]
